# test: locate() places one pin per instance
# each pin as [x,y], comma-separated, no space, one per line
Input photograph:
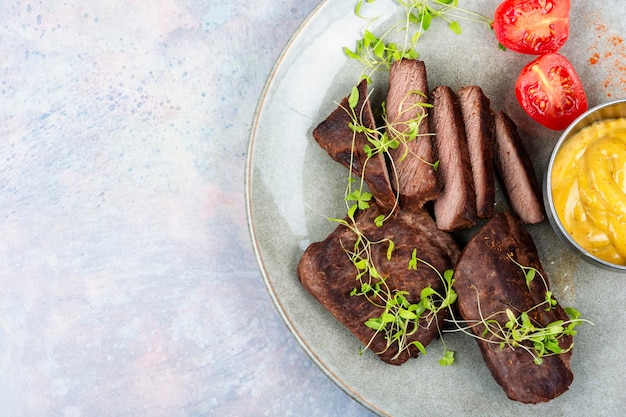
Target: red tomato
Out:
[532,26]
[550,91]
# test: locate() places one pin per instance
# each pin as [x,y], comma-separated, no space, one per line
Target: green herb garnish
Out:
[520,330]
[378,51]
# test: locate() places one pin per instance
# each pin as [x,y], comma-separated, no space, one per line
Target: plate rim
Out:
[248,179]
[249,176]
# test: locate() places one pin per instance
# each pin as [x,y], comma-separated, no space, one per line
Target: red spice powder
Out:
[609,53]
[616,40]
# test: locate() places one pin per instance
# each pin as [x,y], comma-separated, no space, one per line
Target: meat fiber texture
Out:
[413,161]
[456,207]
[343,145]
[460,135]
[516,171]
[478,121]
[487,283]
[326,271]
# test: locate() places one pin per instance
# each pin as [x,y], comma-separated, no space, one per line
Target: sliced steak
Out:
[326,271]
[456,206]
[347,147]
[478,121]
[516,171]
[413,161]
[487,283]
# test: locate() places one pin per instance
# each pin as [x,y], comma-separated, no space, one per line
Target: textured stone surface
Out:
[128,283]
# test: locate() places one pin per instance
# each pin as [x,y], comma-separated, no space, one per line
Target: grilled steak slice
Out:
[413,161]
[487,283]
[478,121]
[516,171]
[326,271]
[456,207]
[346,147]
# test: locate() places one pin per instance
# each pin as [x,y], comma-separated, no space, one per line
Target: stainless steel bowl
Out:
[612,110]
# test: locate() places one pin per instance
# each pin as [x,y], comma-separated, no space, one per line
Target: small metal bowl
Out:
[612,110]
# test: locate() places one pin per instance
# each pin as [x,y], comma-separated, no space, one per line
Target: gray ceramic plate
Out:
[292,186]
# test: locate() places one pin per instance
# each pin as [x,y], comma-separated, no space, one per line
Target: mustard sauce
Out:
[589,189]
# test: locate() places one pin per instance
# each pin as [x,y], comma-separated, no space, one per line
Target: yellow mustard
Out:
[589,189]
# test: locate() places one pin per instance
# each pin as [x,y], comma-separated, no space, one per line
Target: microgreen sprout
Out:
[381,140]
[520,330]
[378,142]
[394,133]
[378,52]
[529,275]
[408,131]
[399,319]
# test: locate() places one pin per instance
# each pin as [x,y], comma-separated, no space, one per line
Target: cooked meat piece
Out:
[347,147]
[326,271]
[416,178]
[488,282]
[478,121]
[516,171]
[456,207]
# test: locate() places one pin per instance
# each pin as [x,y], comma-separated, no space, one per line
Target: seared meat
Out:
[516,171]
[408,88]
[347,147]
[487,283]
[478,121]
[326,271]
[456,207]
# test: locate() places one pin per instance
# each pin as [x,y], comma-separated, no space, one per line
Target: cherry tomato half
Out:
[532,26]
[551,92]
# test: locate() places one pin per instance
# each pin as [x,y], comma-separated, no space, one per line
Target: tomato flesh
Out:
[551,92]
[532,26]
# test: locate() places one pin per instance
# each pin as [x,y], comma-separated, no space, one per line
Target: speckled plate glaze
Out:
[292,186]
